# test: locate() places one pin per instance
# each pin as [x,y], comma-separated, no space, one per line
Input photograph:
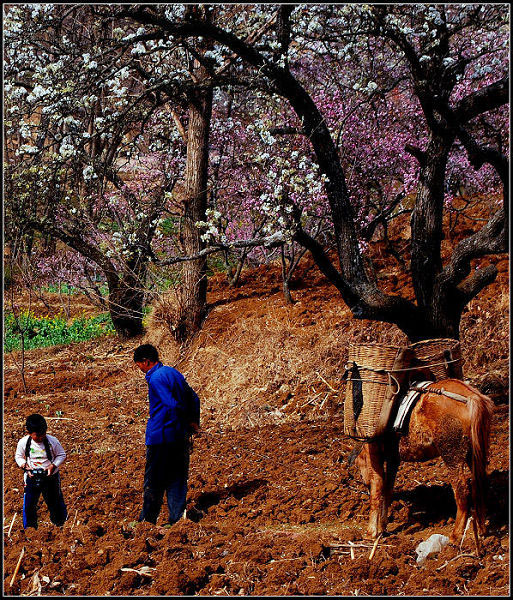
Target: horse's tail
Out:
[481,410]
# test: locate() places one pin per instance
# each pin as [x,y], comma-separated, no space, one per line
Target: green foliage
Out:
[215,264]
[170,225]
[7,277]
[40,332]
[64,288]
[146,311]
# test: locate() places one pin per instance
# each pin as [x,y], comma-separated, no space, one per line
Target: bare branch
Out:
[479,280]
[272,241]
[285,131]
[488,98]
[419,154]
[491,239]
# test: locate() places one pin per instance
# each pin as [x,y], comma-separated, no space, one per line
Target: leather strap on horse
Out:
[355,452]
[442,392]
[357,392]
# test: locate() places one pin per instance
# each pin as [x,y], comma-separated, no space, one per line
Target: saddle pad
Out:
[407,403]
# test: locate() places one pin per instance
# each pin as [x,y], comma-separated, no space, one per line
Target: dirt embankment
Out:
[273,506]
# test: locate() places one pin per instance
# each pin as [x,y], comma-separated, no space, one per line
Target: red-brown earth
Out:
[272,503]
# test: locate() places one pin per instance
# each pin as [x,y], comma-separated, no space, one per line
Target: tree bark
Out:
[126,301]
[193,294]
[234,278]
[426,231]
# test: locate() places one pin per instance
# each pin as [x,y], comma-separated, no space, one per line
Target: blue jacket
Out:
[173,406]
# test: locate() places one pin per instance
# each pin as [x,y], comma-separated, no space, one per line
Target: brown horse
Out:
[456,430]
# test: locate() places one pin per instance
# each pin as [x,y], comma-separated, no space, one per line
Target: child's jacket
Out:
[37,458]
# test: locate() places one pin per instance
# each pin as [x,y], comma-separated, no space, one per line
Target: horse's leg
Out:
[378,508]
[454,448]
[475,512]
[461,488]
[392,465]
[363,464]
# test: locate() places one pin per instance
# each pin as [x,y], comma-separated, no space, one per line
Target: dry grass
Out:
[485,337]
[258,360]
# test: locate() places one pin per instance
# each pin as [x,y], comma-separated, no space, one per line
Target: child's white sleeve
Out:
[19,457]
[59,455]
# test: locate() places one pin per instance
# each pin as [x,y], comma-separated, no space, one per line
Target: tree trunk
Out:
[441,306]
[426,230]
[126,297]
[286,275]
[234,278]
[125,307]
[193,294]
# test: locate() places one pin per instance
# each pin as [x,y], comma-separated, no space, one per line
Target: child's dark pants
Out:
[167,469]
[52,495]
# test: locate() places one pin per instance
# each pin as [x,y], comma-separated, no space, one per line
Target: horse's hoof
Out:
[370,537]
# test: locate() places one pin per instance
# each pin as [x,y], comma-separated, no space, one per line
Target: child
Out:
[40,456]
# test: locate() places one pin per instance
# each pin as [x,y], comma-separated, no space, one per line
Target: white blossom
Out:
[138,49]
[66,150]
[88,173]
[26,148]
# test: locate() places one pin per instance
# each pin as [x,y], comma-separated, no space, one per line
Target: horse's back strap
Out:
[442,392]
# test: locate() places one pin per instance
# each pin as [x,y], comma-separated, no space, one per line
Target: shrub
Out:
[41,332]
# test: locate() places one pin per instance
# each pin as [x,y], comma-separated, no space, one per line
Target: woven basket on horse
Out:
[375,375]
[442,356]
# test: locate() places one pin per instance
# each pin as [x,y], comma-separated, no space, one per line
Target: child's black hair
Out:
[36,424]
[146,351]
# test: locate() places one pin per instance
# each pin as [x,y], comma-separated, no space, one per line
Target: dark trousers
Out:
[167,470]
[52,495]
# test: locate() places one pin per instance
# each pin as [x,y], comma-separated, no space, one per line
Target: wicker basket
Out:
[374,378]
[442,356]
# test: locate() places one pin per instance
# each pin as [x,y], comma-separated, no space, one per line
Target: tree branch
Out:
[367,301]
[368,230]
[283,29]
[419,154]
[272,241]
[286,131]
[488,98]
[473,285]
[490,239]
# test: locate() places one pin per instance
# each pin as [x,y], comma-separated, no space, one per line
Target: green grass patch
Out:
[63,288]
[40,332]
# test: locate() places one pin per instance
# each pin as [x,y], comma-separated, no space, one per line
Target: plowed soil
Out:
[273,507]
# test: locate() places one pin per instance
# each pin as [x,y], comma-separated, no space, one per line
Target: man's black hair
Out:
[146,351]
[36,424]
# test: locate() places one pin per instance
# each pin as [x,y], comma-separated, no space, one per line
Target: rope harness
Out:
[350,366]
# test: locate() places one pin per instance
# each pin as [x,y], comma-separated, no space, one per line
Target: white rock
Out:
[432,545]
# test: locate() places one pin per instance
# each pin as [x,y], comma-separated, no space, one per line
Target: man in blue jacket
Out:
[174,416]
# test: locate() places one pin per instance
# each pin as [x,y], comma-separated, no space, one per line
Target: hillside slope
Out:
[272,504]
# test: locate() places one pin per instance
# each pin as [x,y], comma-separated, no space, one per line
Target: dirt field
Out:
[272,504]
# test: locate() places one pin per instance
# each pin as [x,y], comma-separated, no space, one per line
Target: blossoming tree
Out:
[342,117]
[453,61]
